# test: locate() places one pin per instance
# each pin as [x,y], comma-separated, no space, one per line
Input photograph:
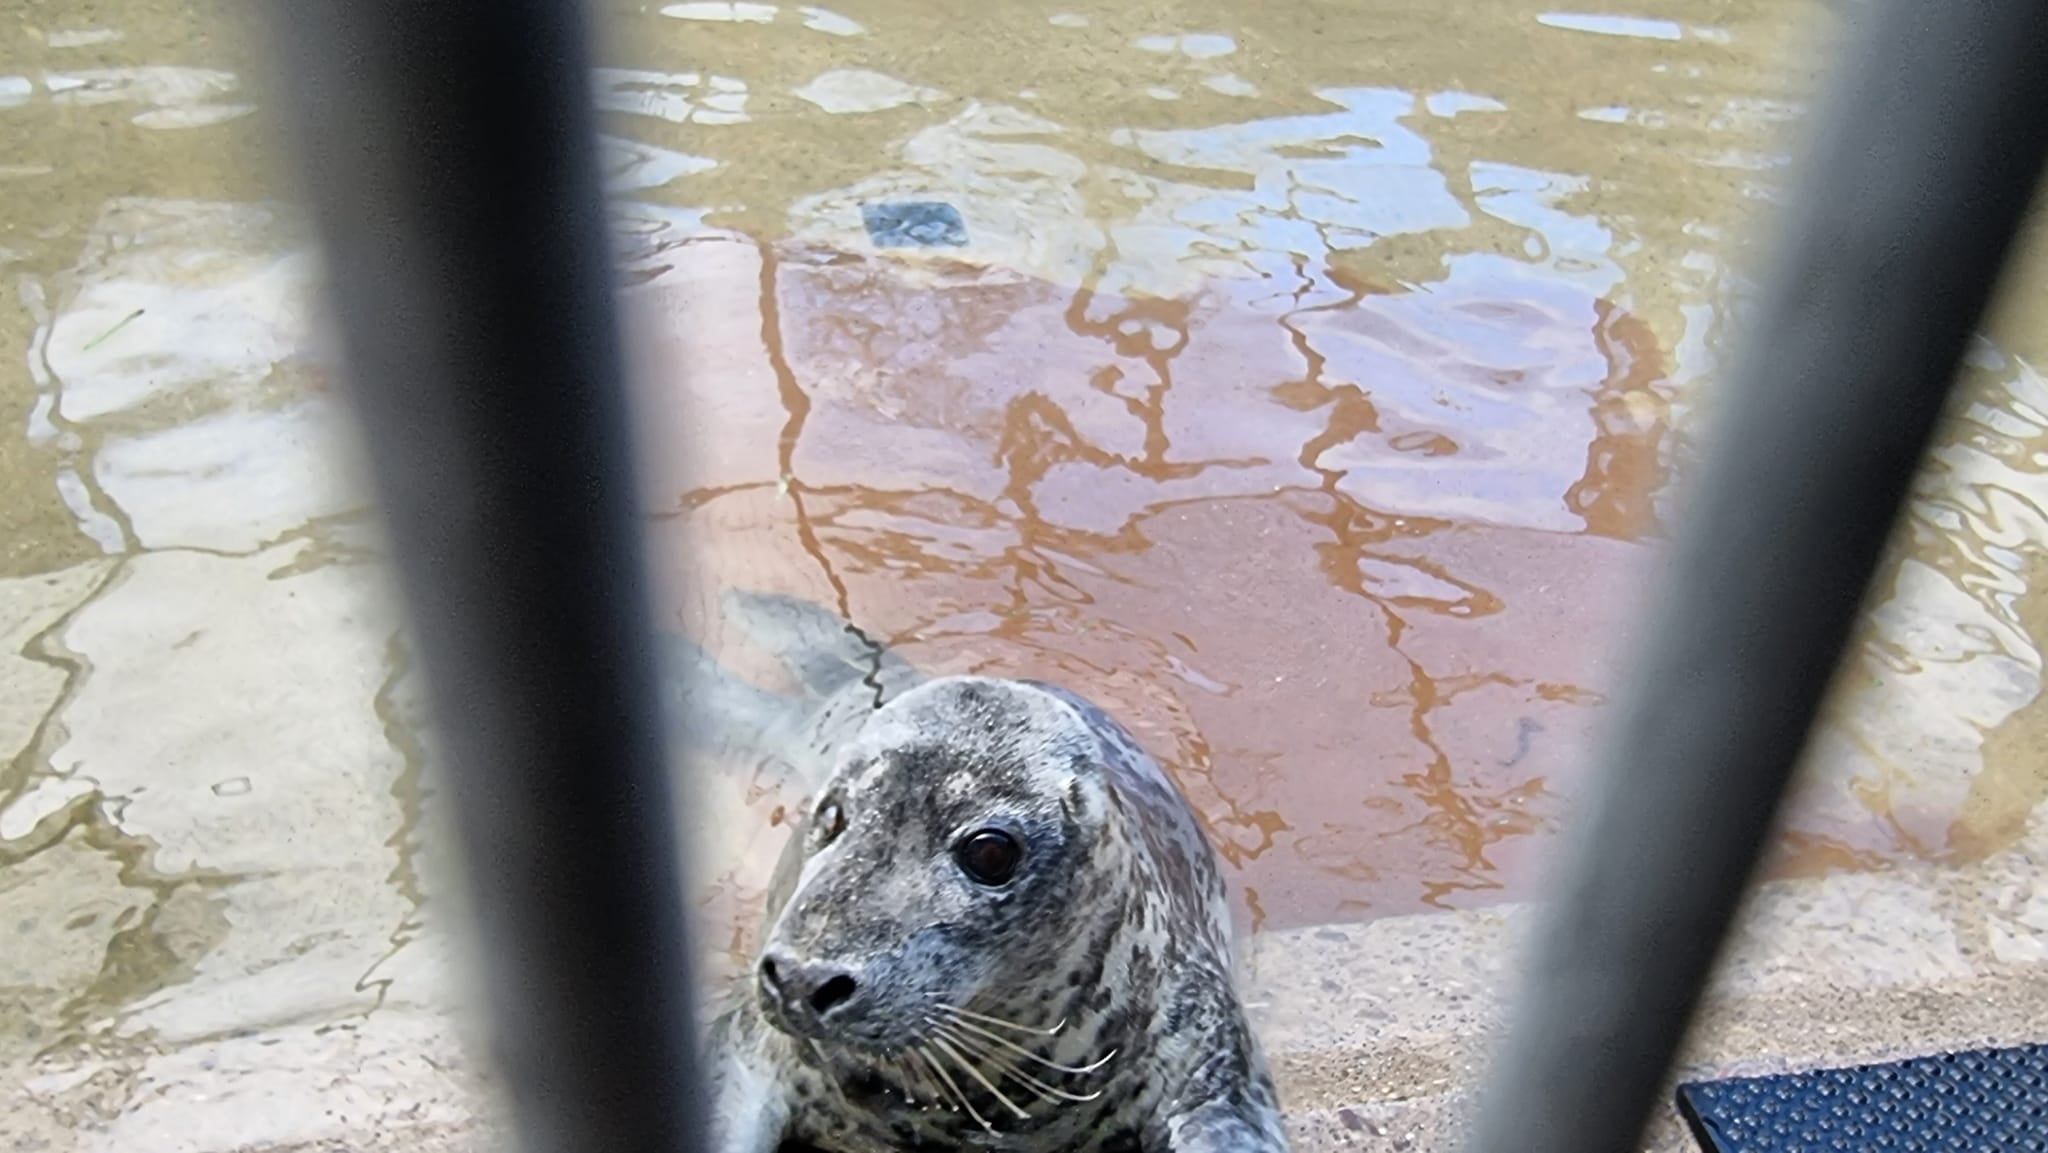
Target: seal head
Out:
[948,864]
[1000,925]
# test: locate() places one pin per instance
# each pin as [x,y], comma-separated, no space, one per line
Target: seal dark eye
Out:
[988,856]
[830,822]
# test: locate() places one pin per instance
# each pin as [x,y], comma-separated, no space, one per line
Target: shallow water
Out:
[1311,392]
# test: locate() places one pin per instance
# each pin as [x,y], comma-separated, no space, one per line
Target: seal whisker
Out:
[958,1094]
[935,1090]
[957,1012]
[895,1063]
[924,1077]
[1021,1051]
[962,1060]
[1047,1093]
[824,1062]
[945,1098]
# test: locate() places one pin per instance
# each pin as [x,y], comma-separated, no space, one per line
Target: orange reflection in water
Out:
[1351,561]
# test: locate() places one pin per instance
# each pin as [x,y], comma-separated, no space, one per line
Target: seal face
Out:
[1000,926]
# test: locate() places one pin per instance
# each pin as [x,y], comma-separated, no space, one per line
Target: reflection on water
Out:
[1311,393]
[1349,557]
[1350,541]
[1352,558]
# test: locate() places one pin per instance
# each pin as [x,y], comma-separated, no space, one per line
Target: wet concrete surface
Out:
[1314,393]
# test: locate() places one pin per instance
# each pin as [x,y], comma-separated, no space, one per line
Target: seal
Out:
[1000,926]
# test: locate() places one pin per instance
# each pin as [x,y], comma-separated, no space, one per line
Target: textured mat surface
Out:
[1986,1099]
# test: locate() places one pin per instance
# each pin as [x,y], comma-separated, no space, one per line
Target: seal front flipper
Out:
[1234,1123]
[839,676]
[823,651]
[711,712]
[749,1104]
[1226,1106]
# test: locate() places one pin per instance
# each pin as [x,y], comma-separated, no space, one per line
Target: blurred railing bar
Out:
[1929,145]
[450,158]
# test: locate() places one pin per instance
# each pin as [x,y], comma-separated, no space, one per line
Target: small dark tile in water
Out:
[914,224]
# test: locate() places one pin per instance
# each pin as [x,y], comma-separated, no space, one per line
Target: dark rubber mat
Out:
[1988,1100]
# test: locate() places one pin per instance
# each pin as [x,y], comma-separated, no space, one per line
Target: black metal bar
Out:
[1927,157]
[450,158]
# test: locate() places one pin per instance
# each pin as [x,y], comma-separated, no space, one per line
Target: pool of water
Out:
[1313,392]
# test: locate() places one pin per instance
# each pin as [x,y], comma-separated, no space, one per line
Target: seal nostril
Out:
[832,993]
[769,976]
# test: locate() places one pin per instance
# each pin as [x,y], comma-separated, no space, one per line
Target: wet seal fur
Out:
[1086,1002]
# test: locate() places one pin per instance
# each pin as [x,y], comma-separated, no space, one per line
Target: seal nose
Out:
[802,988]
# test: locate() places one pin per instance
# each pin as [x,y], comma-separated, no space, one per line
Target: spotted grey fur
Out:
[1107,958]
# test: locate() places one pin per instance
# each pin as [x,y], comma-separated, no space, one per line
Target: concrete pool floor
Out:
[1310,393]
